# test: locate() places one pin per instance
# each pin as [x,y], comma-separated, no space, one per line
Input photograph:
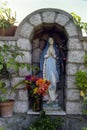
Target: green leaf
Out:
[1,67]
[15,67]
[8,65]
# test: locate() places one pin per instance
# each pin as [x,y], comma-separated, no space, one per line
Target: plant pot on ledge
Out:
[10,31]
[6,108]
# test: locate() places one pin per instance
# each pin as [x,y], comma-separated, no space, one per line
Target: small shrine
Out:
[49,40]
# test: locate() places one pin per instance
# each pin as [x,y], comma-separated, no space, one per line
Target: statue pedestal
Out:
[56,112]
[50,108]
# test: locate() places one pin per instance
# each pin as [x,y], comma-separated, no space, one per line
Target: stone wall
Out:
[23,121]
[76,48]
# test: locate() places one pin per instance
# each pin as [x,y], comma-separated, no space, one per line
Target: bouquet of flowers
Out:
[36,86]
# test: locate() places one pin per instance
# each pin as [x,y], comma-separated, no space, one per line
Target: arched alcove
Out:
[35,29]
[39,40]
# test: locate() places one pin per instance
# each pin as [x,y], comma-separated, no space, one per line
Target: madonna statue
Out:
[50,70]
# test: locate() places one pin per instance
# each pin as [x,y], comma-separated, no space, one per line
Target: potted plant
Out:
[9,65]
[44,122]
[7,20]
[6,105]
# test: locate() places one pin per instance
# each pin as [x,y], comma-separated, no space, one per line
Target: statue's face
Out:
[51,41]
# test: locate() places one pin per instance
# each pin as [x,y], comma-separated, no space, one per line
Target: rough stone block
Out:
[71,69]
[2,43]
[16,80]
[36,55]
[24,44]
[74,43]
[71,30]
[7,82]
[61,19]
[35,19]
[22,95]
[72,94]
[85,45]
[24,72]
[12,95]
[35,43]
[83,68]
[48,17]
[13,43]
[26,30]
[70,82]
[74,107]
[21,106]
[25,59]
[2,124]
[76,56]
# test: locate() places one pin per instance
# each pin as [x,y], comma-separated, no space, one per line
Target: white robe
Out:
[50,73]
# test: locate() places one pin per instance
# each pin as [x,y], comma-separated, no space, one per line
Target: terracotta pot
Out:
[2,32]
[10,31]
[6,108]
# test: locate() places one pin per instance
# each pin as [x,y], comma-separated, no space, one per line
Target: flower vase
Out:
[37,104]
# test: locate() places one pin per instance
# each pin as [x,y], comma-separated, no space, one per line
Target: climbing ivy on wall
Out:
[78,21]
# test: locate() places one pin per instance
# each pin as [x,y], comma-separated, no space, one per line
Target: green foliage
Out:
[2,128]
[85,60]
[44,122]
[84,128]
[78,22]
[3,91]
[9,64]
[81,80]
[8,59]
[6,17]
[85,105]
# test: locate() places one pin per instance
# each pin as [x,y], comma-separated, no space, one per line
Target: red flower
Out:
[36,86]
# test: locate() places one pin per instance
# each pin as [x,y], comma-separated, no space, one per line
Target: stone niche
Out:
[39,39]
[32,35]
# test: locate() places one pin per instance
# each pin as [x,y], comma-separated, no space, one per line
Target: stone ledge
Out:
[60,112]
